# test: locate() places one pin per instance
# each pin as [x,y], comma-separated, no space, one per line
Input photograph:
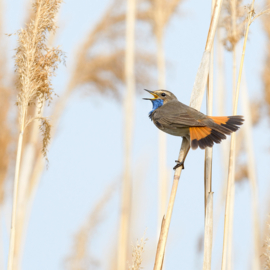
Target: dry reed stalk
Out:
[221,111]
[35,65]
[196,101]
[31,149]
[138,208]
[234,77]
[88,71]
[251,171]
[208,194]
[137,252]
[208,151]
[232,151]
[80,257]
[128,131]
[208,233]
[233,22]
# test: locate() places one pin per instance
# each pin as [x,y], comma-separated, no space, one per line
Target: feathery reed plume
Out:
[35,65]
[196,101]
[31,148]
[92,64]
[97,72]
[266,253]
[137,252]
[230,183]
[125,214]
[80,257]
[233,20]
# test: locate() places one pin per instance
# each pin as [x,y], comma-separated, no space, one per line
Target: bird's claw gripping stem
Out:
[179,164]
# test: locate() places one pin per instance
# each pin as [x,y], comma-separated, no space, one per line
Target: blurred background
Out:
[105,151]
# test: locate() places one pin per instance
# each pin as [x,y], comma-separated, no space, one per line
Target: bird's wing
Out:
[179,115]
[179,121]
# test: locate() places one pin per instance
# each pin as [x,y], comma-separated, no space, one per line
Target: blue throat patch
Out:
[156,104]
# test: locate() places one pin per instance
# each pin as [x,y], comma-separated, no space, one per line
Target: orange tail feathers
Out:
[232,123]
[214,131]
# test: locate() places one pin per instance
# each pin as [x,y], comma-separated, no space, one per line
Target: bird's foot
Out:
[179,164]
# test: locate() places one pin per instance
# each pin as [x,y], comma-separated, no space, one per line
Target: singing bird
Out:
[178,119]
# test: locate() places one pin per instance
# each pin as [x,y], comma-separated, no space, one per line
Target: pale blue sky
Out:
[87,153]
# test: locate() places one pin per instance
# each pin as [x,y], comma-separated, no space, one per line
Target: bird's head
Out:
[162,96]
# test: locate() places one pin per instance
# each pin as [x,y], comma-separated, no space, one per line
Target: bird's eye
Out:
[163,94]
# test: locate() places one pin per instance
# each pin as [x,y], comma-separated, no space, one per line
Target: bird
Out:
[175,118]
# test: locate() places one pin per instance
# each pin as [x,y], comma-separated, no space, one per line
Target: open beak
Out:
[152,93]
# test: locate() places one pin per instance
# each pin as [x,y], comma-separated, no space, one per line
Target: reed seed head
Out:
[233,33]
[36,63]
[137,252]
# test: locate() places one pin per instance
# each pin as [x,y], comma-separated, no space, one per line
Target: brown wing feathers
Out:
[215,130]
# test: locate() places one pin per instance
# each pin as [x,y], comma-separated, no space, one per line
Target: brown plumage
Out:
[178,119]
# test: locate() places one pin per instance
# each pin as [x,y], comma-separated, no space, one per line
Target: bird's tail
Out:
[215,130]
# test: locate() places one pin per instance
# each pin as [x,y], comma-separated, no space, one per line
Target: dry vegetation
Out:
[35,65]
[100,67]
[137,253]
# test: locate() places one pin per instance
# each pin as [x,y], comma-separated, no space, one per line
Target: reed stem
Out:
[208,194]
[208,233]
[256,265]
[167,219]
[232,151]
[234,80]
[14,207]
[128,131]
[195,102]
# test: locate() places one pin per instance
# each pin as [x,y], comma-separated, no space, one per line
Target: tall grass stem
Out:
[14,207]
[125,215]
[208,194]
[232,152]
[195,102]
[208,233]
[256,265]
